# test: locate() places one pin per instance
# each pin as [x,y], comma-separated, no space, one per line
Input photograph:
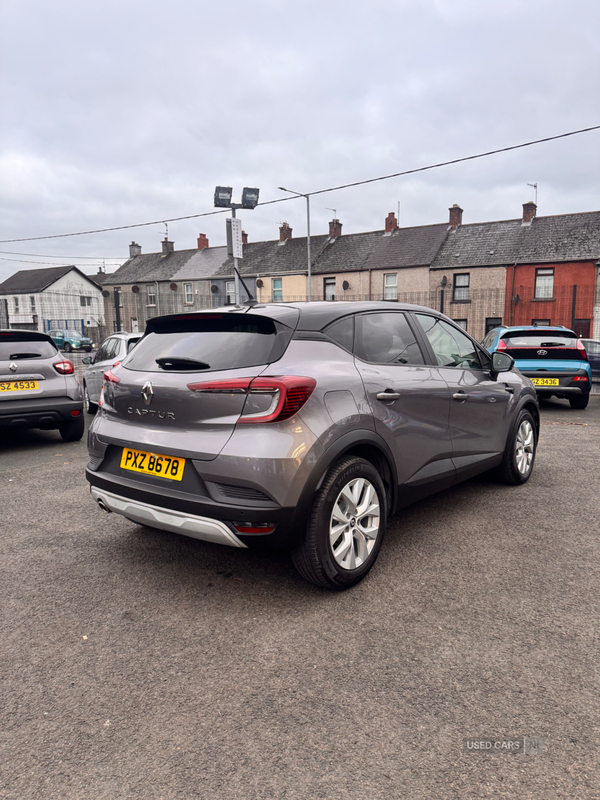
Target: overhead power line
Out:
[318,191]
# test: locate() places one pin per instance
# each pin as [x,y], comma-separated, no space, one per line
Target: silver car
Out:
[304,426]
[38,387]
[112,351]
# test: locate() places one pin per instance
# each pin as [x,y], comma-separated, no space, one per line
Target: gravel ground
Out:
[139,664]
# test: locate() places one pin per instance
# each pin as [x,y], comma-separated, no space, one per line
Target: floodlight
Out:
[223,196]
[250,198]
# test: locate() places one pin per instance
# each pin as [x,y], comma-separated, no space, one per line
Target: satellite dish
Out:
[214,288]
[105,293]
[444,281]
[172,286]
[345,285]
[260,283]
[135,288]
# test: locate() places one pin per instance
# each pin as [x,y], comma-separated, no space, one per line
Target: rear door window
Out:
[386,338]
[210,343]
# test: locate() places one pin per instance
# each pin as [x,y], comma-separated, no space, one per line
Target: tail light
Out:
[111,377]
[287,393]
[254,527]
[501,345]
[581,347]
[581,378]
[65,367]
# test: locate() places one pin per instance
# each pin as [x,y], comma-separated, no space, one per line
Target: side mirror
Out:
[87,360]
[502,362]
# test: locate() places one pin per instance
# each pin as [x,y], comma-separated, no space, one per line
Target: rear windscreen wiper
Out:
[554,344]
[25,355]
[181,363]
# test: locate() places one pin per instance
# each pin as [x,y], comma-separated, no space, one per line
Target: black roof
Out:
[27,281]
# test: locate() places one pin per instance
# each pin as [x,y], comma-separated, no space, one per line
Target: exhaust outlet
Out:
[103,506]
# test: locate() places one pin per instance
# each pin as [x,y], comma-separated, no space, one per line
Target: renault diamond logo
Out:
[13,367]
[542,352]
[147,393]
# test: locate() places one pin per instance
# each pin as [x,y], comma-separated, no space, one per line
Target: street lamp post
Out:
[300,194]
[223,200]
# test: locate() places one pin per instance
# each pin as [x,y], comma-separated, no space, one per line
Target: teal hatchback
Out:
[551,356]
[68,340]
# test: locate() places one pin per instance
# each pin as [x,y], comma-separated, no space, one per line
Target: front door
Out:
[479,404]
[582,328]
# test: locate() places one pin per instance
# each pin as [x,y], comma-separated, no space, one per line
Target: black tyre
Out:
[90,407]
[519,456]
[580,400]
[67,347]
[73,431]
[346,526]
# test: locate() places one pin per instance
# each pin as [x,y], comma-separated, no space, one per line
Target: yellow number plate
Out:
[17,386]
[545,381]
[153,464]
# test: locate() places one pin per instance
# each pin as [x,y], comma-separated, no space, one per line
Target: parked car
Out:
[304,426]
[552,356]
[71,340]
[111,352]
[592,348]
[38,387]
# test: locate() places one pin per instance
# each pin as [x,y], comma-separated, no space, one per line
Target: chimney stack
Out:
[529,212]
[244,237]
[391,223]
[285,232]
[167,247]
[456,213]
[202,241]
[335,229]
[135,250]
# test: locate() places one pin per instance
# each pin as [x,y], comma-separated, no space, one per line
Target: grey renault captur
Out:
[304,426]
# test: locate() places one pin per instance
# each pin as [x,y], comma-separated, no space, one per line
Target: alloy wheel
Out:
[525,446]
[355,523]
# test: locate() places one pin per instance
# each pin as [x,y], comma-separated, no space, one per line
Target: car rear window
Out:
[16,346]
[210,343]
[540,339]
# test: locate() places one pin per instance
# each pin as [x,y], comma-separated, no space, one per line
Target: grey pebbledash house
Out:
[55,297]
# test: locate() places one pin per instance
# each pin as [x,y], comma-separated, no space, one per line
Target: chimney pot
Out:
[391,223]
[335,229]
[244,237]
[529,212]
[134,250]
[285,232]
[202,241]
[456,213]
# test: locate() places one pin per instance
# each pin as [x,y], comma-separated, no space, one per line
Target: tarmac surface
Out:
[139,664]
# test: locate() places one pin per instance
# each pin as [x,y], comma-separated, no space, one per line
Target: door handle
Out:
[388,395]
[460,396]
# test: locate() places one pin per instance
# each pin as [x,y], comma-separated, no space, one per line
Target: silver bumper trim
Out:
[208,530]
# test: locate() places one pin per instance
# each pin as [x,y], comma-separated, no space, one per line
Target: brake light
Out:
[65,367]
[501,345]
[288,394]
[581,378]
[580,346]
[254,527]
[111,377]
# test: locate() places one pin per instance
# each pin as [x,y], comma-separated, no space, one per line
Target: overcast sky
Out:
[125,112]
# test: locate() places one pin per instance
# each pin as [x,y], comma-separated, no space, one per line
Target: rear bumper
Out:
[567,383]
[39,412]
[194,515]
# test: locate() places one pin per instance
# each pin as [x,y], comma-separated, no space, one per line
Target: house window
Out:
[390,287]
[491,323]
[462,323]
[85,301]
[329,288]
[461,287]
[544,284]
[16,305]
[189,294]
[277,290]
[32,303]
[230,292]
[151,291]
